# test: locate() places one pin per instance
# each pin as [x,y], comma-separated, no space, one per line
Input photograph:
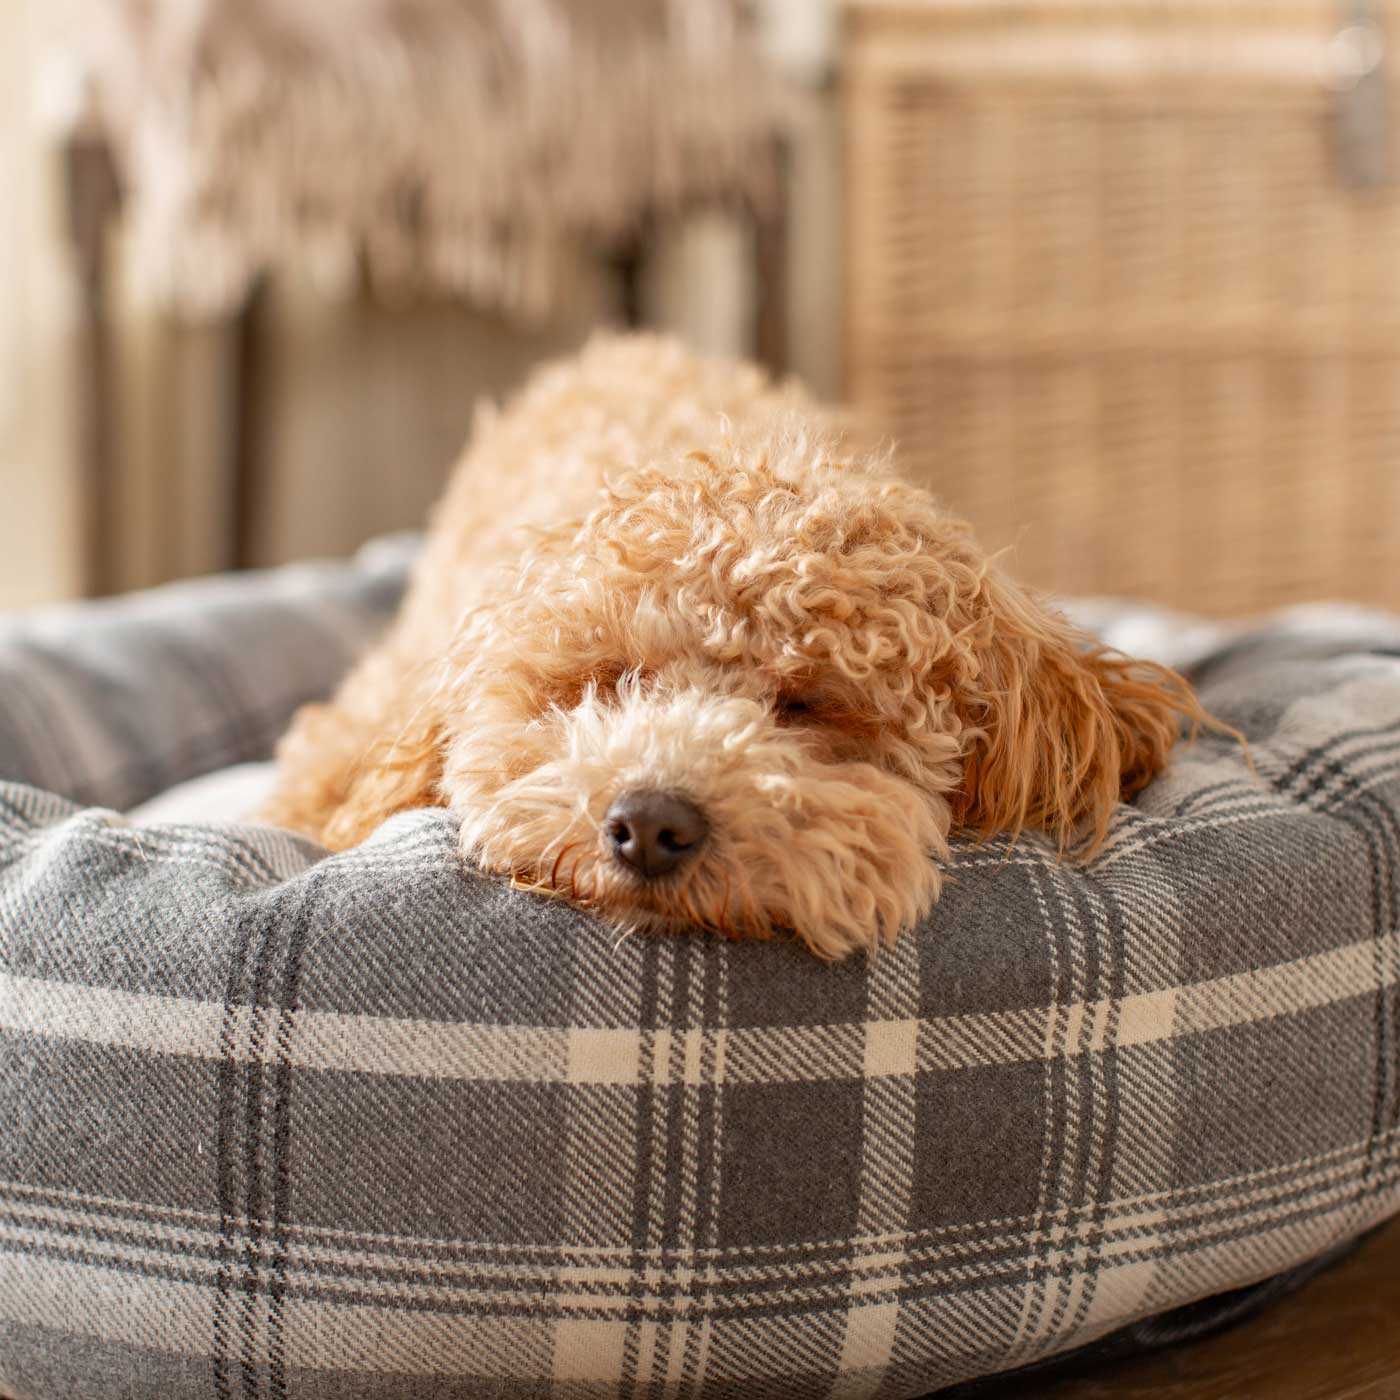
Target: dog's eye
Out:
[794,709]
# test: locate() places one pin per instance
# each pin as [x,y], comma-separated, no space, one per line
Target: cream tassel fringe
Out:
[456,145]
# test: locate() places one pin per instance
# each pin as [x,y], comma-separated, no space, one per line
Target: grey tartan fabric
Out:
[112,702]
[281,1124]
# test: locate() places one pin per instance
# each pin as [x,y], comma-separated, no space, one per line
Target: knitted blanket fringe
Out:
[459,145]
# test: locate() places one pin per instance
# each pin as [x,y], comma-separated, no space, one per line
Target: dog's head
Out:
[756,691]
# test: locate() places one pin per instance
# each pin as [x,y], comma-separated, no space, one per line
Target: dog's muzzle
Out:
[654,833]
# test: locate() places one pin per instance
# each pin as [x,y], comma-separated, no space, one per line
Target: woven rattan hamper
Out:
[1124,283]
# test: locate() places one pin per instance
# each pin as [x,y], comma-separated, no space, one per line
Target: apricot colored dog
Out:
[685,650]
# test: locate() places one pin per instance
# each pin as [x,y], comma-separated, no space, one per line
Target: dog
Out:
[684,649]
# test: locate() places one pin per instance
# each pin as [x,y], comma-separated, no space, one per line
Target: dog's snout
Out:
[654,833]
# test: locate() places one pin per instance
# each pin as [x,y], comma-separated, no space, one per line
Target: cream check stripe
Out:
[603,1061]
[645,1342]
[702,1094]
[749,1055]
[885,1184]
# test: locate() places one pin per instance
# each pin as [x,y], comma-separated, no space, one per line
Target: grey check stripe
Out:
[1262,1191]
[1307,1192]
[1037,1301]
[593,1293]
[111,704]
[1099,1082]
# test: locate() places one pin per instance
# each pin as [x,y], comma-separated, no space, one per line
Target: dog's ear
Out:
[344,768]
[1059,729]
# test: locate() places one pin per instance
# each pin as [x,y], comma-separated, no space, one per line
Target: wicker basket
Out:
[1124,282]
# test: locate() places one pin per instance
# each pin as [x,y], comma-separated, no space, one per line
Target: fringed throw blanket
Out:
[457,144]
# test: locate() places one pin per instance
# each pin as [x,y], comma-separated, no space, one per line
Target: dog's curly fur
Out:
[655,570]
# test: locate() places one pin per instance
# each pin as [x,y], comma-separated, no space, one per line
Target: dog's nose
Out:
[654,833]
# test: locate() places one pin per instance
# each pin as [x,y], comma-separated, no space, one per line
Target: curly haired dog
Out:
[683,650]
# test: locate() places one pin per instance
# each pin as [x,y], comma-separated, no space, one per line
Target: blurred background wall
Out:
[38,541]
[1122,280]
[360,407]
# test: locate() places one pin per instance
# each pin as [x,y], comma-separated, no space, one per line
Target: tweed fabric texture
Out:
[275,1123]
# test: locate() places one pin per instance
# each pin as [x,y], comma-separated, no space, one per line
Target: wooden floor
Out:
[1336,1339]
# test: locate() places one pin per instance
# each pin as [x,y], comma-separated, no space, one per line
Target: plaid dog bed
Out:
[276,1123]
